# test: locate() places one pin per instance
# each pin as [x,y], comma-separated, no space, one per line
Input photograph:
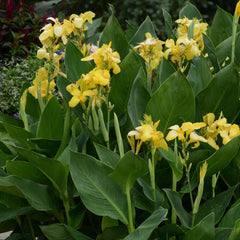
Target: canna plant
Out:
[127,136]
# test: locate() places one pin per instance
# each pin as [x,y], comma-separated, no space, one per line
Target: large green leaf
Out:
[52,169]
[221,27]
[145,27]
[114,33]
[190,11]
[173,102]
[232,215]
[223,233]
[235,234]
[51,121]
[199,74]
[166,69]
[74,66]
[168,24]
[216,205]
[62,232]
[108,157]
[176,203]
[25,170]
[203,230]
[9,213]
[4,118]
[121,83]
[221,94]
[145,229]
[139,98]
[37,195]
[99,192]
[128,170]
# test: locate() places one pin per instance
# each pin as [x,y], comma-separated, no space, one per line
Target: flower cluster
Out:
[151,51]
[147,132]
[186,133]
[186,46]
[214,128]
[94,85]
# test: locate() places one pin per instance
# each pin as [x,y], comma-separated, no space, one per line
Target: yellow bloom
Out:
[203,170]
[147,132]
[151,51]
[101,77]
[47,35]
[41,82]
[105,58]
[237,10]
[42,53]
[229,133]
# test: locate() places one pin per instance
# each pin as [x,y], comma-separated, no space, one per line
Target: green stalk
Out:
[174,188]
[189,186]
[31,227]
[67,209]
[40,100]
[103,126]
[151,166]
[95,120]
[119,136]
[234,33]
[130,216]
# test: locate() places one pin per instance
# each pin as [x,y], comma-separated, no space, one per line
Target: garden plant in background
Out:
[142,141]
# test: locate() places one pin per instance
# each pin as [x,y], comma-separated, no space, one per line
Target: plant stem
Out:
[193,219]
[130,216]
[152,175]
[189,186]
[31,227]
[234,32]
[67,209]
[103,126]
[174,188]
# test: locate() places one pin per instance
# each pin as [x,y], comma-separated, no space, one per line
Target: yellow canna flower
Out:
[203,170]
[105,58]
[229,133]
[41,81]
[42,53]
[47,35]
[151,51]
[237,11]
[147,132]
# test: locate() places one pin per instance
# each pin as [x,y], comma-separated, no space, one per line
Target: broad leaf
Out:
[145,27]
[114,33]
[221,94]
[139,98]
[216,205]
[173,102]
[51,121]
[108,157]
[128,170]
[232,215]
[144,231]
[190,11]
[203,230]
[168,24]
[235,234]
[74,66]
[121,83]
[176,203]
[62,232]
[99,192]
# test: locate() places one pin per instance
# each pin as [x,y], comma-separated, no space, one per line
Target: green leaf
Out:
[25,170]
[51,121]
[92,28]
[144,231]
[176,203]
[232,215]
[128,170]
[108,157]
[221,94]
[32,107]
[145,27]
[121,83]
[174,162]
[139,98]
[99,192]
[19,134]
[210,49]
[165,71]
[215,205]
[235,234]
[4,118]
[9,213]
[221,27]
[56,173]
[199,75]
[190,11]
[74,66]
[114,33]
[223,233]
[37,195]
[168,24]
[173,102]
[131,30]
[204,230]
[62,232]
